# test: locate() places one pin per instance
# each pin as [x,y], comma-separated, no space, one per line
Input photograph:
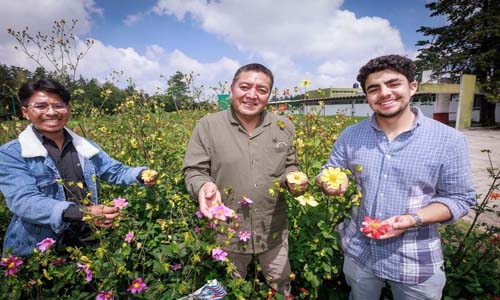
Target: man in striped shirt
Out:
[415,175]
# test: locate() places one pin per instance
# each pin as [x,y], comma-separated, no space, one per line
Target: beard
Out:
[392,114]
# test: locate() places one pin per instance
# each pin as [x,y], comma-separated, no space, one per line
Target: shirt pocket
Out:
[420,196]
[28,235]
[46,183]
[275,159]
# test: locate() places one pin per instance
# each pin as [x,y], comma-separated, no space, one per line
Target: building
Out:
[438,100]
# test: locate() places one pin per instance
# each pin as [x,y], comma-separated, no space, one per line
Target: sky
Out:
[323,41]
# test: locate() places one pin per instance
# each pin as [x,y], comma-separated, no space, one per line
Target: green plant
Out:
[171,247]
[472,250]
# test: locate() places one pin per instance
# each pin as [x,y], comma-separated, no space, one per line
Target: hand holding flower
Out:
[333,181]
[397,225]
[297,182]
[149,177]
[208,197]
[374,229]
[101,215]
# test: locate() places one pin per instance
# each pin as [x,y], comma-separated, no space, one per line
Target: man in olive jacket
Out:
[243,151]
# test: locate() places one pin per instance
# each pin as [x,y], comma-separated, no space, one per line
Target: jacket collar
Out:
[32,147]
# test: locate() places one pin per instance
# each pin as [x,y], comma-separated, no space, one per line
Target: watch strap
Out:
[418,220]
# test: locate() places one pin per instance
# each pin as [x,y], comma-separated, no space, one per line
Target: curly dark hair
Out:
[392,62]
[256,68]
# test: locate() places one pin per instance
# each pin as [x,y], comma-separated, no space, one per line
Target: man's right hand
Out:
[208,197]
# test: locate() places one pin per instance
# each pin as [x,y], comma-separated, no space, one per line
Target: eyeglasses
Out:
[44,106]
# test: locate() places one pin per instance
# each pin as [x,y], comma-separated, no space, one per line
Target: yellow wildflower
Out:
[305,83]
[307,199]
[148,175]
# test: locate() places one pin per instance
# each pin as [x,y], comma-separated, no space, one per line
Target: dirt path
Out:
[478,140]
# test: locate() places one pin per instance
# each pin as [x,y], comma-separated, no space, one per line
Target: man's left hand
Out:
[399,224]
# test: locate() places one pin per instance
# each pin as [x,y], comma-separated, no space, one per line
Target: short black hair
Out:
[43,85]
[394,62]
[256,68]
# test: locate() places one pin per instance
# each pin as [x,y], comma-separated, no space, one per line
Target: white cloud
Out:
[155,52]
[145,70]
[284,31]
[102,59]
[132,19]
[297,40]
[39,15]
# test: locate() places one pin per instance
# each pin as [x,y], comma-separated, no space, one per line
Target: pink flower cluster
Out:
[219,254]
[104,295]
[88,273]
[246,201]
[244,236]
[45,244]
[221,212]
[11,262]
[137,286]
[120,203]
[129,237]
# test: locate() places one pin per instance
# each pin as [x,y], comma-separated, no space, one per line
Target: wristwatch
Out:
[418,220]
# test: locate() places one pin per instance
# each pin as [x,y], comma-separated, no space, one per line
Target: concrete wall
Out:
[363,110]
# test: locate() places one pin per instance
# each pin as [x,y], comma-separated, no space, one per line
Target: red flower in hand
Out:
[372,228]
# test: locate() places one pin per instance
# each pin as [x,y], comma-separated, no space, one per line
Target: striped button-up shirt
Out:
[427,164]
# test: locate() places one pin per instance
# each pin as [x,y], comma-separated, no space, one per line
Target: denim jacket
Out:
[29,181]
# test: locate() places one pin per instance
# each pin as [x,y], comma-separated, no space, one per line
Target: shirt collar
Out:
[264,120]
[43,139]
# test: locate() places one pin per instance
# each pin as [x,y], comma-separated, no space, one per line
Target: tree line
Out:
[91,93]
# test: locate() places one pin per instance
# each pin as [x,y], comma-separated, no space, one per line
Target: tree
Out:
[178,92]
[11,79]
[468,43]
[8,86]
[59,49]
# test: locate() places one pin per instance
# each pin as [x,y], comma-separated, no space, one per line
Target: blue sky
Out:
[324,41]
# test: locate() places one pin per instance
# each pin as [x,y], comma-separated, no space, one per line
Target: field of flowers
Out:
[159,248]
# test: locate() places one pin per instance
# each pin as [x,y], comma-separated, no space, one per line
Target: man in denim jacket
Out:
[48,172]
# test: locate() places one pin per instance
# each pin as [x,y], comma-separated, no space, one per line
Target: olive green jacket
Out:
[221,151]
